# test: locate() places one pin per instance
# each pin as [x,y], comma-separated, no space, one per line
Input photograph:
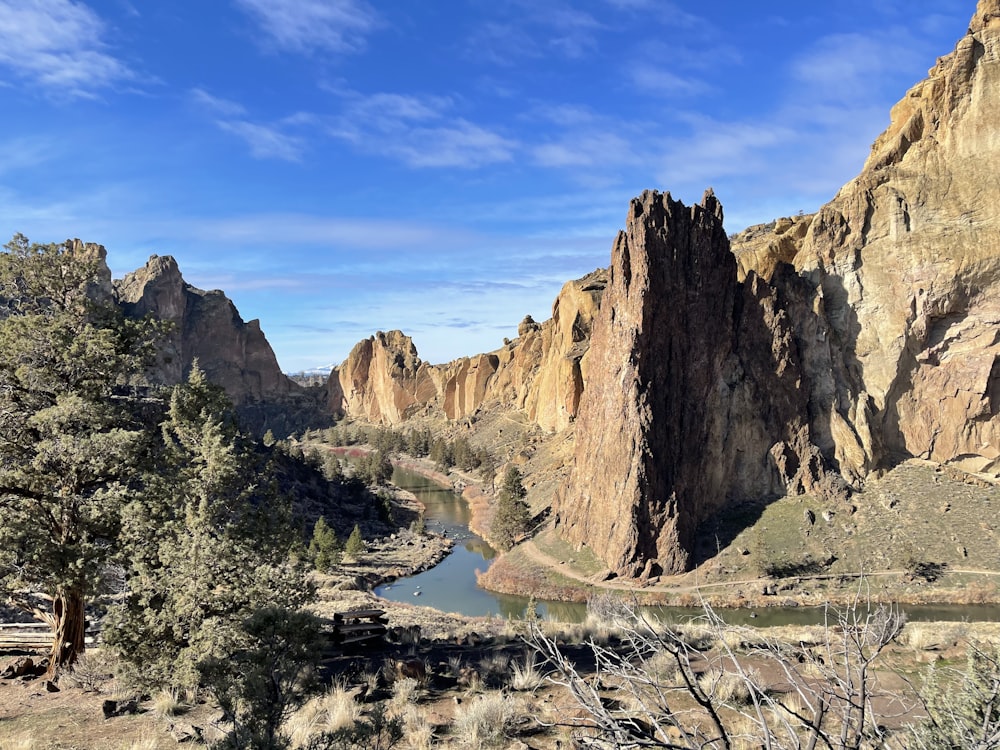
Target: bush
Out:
[487,719]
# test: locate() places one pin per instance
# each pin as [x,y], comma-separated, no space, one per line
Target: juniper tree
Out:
[512,515]
[205,546]
[71,436]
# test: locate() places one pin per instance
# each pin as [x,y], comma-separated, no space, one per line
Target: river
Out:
[451,585]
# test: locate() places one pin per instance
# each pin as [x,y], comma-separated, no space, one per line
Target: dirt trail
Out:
[531,550]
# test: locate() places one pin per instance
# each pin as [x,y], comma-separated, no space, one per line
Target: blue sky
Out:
[343,166]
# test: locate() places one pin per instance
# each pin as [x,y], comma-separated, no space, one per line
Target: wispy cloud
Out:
[849,66]
[658,80]
[265,141]
[529,29]
[217,105]
[419,131]
[58,45]
[306,26]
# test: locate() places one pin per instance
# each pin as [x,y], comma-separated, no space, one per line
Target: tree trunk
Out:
[68,628]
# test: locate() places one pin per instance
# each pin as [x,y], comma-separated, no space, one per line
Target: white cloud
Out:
[217,105]
[314,25]
[586,149]
[848,66]
[419,131]
[660,81]
[57,44]
[265,141]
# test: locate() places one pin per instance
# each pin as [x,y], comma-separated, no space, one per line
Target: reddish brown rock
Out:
[694,394]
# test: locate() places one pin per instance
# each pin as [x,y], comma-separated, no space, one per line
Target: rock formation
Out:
[384,381]
[206,327]
[822,348]
[694,395]
[234,354]
[859,335]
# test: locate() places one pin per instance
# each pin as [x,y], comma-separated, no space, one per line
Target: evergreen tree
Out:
[71,434]
[512,516]
[205,546]
[355,544]
[269,674]
[325,550]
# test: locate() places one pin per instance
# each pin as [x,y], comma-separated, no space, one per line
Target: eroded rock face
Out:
[694,395]
[906,261]
[865,333]
[384,380]
[206,327]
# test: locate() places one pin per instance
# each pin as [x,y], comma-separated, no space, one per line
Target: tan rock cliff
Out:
[206,327]
[906,261]
[384,381]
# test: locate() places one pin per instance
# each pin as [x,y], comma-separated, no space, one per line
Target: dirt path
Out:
[544,560]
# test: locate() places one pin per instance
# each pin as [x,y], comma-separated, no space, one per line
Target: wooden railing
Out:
[33,635]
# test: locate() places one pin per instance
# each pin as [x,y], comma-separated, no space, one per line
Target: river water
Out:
[451,585]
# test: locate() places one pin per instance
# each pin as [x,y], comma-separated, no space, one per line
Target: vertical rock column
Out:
[654,409]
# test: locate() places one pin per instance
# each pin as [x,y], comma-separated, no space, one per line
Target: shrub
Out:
[487,719]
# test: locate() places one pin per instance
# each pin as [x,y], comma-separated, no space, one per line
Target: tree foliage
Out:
[72,437]
[512,516]
[325,549]
[267,674]
[205,545]
[355,545]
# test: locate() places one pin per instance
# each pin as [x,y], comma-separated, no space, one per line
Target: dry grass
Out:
[928,636]
[487,720]
[494,668]
[167,703]
[335,709]
[19,742]
[404,692]
[728,687]
[419,733]
[526,675]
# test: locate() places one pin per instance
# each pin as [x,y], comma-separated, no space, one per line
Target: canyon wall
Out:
[817,350]
[824,348]
[384,381]
[205,326]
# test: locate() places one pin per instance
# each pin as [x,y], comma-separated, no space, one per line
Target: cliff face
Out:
[695,394]
[206,327]
[906,261]
[836,344]
[541,372]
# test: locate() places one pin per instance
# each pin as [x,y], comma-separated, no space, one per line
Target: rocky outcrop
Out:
[205,326]
[763,247]
[540,373]
[906,264]
[382,380]
[695,394]
[833,345]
